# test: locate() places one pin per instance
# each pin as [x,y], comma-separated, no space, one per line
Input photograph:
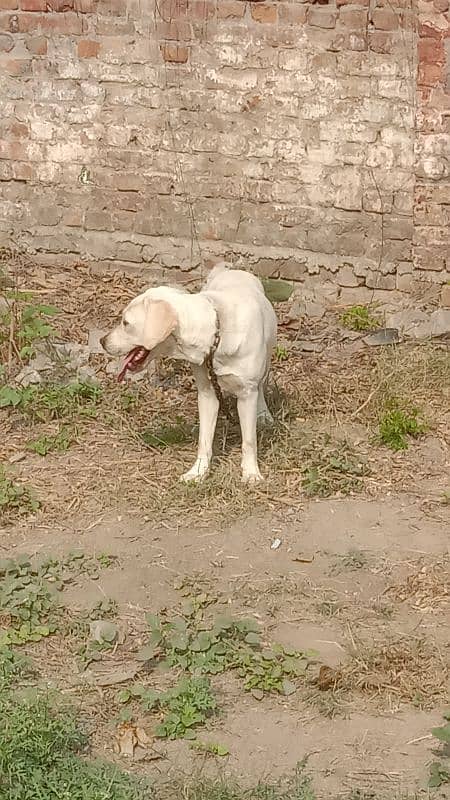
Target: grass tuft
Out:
[360,318]
[398,422]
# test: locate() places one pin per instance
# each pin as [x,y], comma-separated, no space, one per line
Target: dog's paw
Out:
[197,472]
[251,478]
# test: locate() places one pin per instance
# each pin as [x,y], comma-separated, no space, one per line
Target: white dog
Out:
[226,331]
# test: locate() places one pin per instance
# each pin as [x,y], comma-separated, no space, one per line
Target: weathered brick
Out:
[37,45]
[9,5]
[87,48]
[230,9]
[201,9]
[354,18]
[33,5]
[98,220]
[17,67]
[322,17]
[385,19]
[381,42]
[6,43]
[178,30]
[175,53]
[263,12]
[293,14]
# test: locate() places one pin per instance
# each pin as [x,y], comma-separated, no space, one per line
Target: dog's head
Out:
[146,323]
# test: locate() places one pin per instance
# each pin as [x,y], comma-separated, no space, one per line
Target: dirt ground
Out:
[360,574]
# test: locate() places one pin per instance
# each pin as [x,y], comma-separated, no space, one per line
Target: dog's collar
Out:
[212,374]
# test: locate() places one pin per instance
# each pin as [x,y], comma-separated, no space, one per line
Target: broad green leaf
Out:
[277,290]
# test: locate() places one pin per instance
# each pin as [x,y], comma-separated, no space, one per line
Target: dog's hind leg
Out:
[247,410]
[264,417]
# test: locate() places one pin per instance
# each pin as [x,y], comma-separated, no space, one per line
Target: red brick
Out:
[19,130]
[33,5]
[431,51]
[230,8]
[9,5]
[178,30]
[380,42]
[87,48]
[85,6]
[60,5]
[384,19]
[427,31]
[353,18]
[322,17]
[263,12]
[65,24]
[37,45]
[16,67]
[175,53]
[294,15]
[201,9]
[429,75]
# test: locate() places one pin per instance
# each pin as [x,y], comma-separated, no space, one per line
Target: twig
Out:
[371,394]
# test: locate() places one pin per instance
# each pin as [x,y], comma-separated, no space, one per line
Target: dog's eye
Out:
[125,323]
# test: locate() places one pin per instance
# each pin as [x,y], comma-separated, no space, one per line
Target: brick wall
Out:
[297,138]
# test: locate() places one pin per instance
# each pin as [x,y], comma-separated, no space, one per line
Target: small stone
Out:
[28,377]
[382,337]
[102,630]
[94,336]
[440,322]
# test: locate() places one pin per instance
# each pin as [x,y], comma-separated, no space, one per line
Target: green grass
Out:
[41,757]
[59,443]
[398,422]
[360,318]
[168,435]
[16,499]
[53,401]
[44,756]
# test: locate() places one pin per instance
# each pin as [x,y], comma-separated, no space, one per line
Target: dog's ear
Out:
[160,322]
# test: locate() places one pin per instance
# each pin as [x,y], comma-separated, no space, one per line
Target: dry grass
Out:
[326,409]
[425,588]
[407,671]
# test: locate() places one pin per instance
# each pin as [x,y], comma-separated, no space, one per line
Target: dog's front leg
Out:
[247,409]
[208,408]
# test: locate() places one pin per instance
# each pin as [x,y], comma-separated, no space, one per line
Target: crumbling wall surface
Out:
[279,134]
[431,240]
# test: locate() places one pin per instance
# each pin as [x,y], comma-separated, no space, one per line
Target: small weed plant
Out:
[30,595]
[440,771]
[399,422]
[24,323]
[360,318]
[333,467]
[59,443]
[16,499]
[53,401]
[201,648]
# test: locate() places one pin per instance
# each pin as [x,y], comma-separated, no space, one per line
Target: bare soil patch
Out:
[343,553]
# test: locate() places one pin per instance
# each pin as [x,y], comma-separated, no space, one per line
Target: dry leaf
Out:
[327,678]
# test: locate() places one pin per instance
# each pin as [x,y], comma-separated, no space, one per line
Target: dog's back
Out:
[222,278]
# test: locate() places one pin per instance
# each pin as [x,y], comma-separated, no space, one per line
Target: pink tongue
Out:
[126,363]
